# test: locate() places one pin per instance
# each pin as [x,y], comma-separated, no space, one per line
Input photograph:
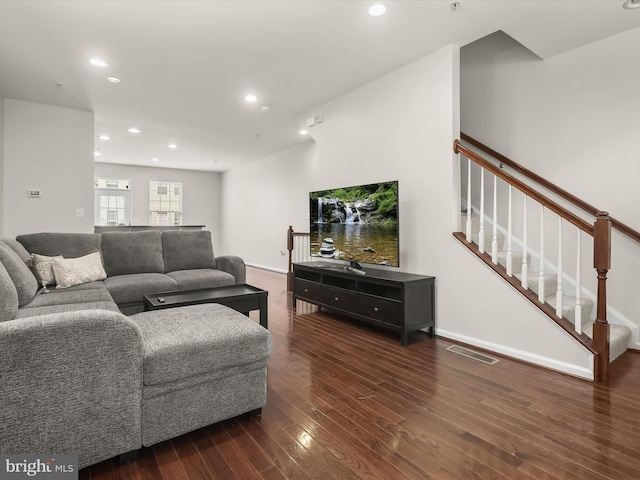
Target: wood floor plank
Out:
[346,400]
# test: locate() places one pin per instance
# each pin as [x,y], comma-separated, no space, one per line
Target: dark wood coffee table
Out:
[242,298]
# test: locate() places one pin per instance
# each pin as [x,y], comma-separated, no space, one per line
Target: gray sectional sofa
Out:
[81,377]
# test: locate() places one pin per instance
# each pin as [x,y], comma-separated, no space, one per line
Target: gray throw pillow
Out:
[24,281]
[8,296]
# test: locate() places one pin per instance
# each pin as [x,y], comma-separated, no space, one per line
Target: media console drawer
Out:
[339,298]
[388,298]
[388,311]
[307,289]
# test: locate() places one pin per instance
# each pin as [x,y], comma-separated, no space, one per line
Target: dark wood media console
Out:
[403,302]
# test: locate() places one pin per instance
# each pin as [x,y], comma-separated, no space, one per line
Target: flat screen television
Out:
[358,224]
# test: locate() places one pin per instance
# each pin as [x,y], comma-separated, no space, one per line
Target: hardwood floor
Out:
[347,401]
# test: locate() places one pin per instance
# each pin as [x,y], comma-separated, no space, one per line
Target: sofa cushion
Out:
[75,271]
[66,297]
[99,285]
[24,281]
[201,278]
[187,341]
[18,248]
[8,296]
[69,245]
[187,250]
[124,253]
[131,288]
[68,307]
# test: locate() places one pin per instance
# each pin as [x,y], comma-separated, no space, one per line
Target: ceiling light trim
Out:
[377,10]
[98,62]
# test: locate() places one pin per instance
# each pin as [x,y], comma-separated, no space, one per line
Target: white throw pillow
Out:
[74,271]
[41,265]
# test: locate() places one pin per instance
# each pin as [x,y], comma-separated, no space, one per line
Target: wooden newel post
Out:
[602,264]
[289,269]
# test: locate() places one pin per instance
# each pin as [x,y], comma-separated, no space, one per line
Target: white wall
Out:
[400,126]
[261,199]
[572,119]
[49,148]
[1,166]
[200,194]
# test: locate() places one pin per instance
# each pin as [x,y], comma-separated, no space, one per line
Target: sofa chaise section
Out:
[71,381]
[218,372]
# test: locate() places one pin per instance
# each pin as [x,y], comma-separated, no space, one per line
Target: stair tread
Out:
[619,336]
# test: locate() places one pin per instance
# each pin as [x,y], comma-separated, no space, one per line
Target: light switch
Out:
[79,212]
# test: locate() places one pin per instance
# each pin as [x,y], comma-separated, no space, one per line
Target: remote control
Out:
[161,299]
[355,270]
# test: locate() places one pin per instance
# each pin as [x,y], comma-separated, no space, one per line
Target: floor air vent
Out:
[465,352]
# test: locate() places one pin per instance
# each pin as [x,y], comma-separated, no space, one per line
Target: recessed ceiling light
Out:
[172,145]
[133,130]
[250,97]
[104,137]
[377,10]
[303,132]
[98,62]
[113,79]
[631,4]
[265,108]
[96,154]
[154,159]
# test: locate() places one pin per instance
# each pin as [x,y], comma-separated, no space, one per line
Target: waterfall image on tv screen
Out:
[358,223]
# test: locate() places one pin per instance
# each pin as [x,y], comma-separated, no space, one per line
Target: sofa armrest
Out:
[71,383]
[233,265]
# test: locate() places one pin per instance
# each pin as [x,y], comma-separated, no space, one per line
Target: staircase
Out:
[557,285]
[619,335]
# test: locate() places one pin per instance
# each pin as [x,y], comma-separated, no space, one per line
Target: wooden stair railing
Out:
[292,238]
[600,231]
[618,225]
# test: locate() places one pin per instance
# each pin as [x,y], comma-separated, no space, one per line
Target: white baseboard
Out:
[264,267]
[549,363]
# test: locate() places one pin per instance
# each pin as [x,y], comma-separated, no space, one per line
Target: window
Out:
[112,201]
[165,203]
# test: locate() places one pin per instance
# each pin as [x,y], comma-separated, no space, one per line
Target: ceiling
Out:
[185,66]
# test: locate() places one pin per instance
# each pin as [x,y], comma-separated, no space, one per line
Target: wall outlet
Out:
[79,212]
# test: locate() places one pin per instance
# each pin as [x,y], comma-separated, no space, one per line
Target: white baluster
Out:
[481,231]
[494,239]
[541,267]
[559,290]
[469,200]
[525,267]
[578,320]
[509,235]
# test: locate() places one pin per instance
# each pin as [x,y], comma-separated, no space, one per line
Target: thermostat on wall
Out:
[34,193]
